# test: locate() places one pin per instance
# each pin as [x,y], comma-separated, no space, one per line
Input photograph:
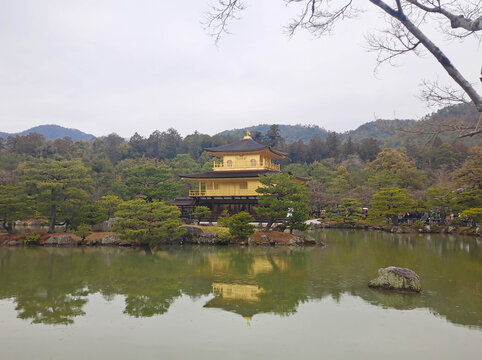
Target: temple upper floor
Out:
[246,154]
[245,162]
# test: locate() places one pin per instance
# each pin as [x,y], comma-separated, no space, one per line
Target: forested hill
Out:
[52,132]
[290,133]
[388,133]
[396,133]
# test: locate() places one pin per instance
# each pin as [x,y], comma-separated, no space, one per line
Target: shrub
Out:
[474,215]
[239,225]
[223,218]
[83,231]
[31,239]
[202,213]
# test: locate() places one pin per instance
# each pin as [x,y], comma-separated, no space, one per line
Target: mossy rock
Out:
[396,278]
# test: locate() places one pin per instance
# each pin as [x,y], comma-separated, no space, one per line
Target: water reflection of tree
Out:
[51,286]
[47,289]
[52,309]
[449,268]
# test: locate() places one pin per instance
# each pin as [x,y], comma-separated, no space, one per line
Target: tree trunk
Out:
[394,219]
[8,225]
[435,51]
[269,224]
[147,249]
[53,213]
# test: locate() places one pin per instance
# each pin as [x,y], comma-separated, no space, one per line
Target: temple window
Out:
[253,162]
[243,185]
[229,163]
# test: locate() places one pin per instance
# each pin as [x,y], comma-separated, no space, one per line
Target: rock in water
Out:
[396,278]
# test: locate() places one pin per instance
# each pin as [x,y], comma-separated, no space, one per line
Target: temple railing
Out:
[245,165]
[223,192]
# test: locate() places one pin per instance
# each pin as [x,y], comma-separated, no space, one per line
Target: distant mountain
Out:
[52,132]
[395,133]
[290,133]
[388,133]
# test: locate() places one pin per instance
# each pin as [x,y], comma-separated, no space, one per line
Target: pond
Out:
[234,303]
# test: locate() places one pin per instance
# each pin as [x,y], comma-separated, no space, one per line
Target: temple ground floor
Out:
[233,204]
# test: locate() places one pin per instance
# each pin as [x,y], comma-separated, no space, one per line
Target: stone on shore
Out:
[13,243]
[60,240]
[105,226]
[111,239]
[396,278]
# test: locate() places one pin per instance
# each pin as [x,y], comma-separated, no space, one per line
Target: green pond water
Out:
[237,303]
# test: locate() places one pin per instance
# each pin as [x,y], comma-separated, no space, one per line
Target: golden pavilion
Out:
[235,177]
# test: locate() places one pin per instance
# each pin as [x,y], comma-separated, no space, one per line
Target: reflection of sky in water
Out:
[350,328]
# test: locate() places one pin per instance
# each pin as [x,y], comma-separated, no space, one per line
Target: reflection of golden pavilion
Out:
[237,291]
[260,265]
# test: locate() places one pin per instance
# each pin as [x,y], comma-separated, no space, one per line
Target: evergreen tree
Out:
[137,145]
[470,175]
[239,225]
[369,149]
[397,169]
[59,188]
[351,210]
[148,223]
[333,145]
[109,204]
[441,199]
[280,195]
[91,214]
[14,205]
[151,183]
[349,147]
[273,136]
[202,213]
[390,203]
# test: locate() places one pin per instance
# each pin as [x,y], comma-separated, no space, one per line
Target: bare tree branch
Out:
[456,21]
[403,36]
[435,94]
[435,51]
[319,16]
[434,125]
[394,41]
[217,19]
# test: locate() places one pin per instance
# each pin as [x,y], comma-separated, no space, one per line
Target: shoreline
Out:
[194,235]
[402,229]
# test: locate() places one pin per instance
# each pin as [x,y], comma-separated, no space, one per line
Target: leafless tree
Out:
[457,19]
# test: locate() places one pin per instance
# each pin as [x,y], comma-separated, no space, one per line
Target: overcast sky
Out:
[105,66]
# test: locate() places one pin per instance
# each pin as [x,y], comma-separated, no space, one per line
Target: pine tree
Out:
[14,205]
[351,210]
[390,203]
[148,223]
[59,188]
[281,195]
[239,225]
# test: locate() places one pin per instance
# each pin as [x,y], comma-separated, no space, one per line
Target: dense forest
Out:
[74,182]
